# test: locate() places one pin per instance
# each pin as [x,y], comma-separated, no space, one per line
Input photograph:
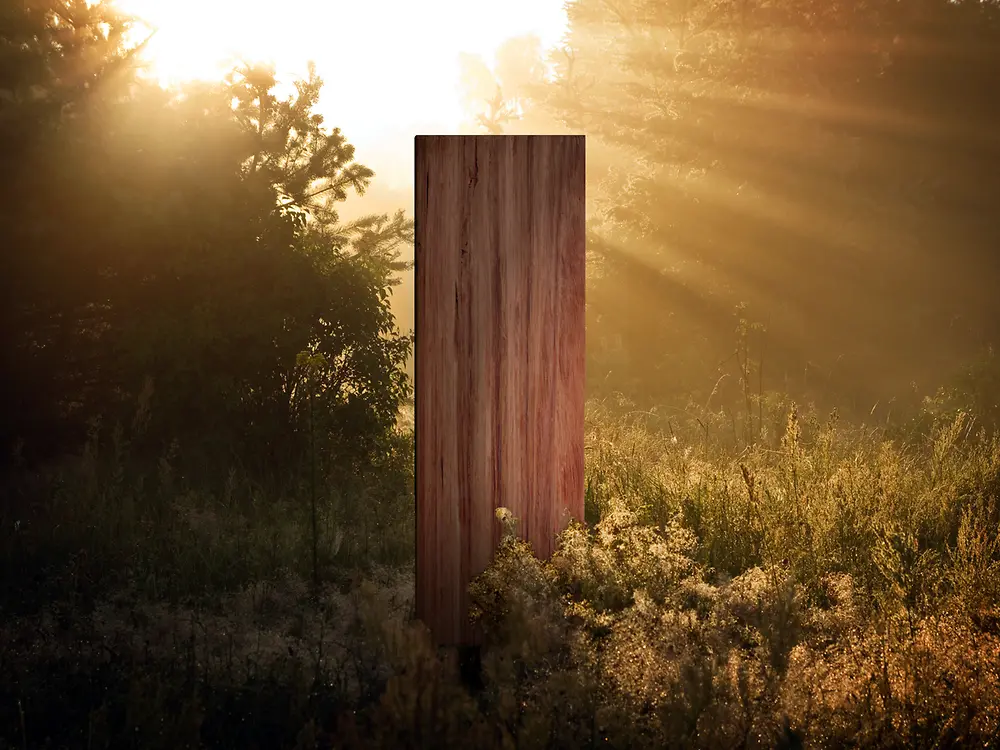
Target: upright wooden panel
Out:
[499,355]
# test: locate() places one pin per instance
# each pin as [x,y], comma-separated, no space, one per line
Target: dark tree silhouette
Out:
[188,240]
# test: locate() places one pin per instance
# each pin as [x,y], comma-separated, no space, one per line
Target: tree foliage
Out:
[188,240]
[828,164]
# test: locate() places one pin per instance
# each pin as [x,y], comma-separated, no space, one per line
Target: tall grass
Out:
[808,583]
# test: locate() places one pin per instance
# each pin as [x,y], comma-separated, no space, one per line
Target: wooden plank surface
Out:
[499,355]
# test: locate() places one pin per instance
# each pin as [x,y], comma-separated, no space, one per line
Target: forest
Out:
[792,531]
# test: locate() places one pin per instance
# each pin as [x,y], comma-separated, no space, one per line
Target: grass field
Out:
[819,585]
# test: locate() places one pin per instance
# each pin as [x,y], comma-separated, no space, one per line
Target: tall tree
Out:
[820,162]
[180,239]
[61,63]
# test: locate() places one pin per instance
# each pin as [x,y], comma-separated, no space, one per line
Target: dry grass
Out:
[828,586]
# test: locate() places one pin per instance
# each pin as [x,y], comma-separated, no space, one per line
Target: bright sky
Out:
[390,67]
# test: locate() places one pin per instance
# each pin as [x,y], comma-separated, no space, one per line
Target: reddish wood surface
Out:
[499,355]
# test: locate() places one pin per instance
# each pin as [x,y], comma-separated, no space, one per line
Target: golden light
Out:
[390,67]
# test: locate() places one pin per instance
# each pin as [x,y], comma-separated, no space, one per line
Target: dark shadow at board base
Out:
[464,663]
[470,668]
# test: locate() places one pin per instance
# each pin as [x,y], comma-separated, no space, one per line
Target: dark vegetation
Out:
[206,496]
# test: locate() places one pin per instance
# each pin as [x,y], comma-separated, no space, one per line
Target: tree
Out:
[500,98]
[206,254]
[796,156]
[61,63]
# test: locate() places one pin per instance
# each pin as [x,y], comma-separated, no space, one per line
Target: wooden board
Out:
[499,355]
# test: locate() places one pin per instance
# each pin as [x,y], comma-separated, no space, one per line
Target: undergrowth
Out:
[821,585]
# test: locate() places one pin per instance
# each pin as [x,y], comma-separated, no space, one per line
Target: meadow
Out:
[822,585]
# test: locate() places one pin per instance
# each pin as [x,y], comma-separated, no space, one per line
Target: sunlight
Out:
[390,66]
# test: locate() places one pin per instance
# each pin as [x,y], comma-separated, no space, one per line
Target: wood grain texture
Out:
[499,355]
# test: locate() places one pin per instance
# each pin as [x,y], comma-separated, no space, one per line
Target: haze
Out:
[394,64]
[782,225]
